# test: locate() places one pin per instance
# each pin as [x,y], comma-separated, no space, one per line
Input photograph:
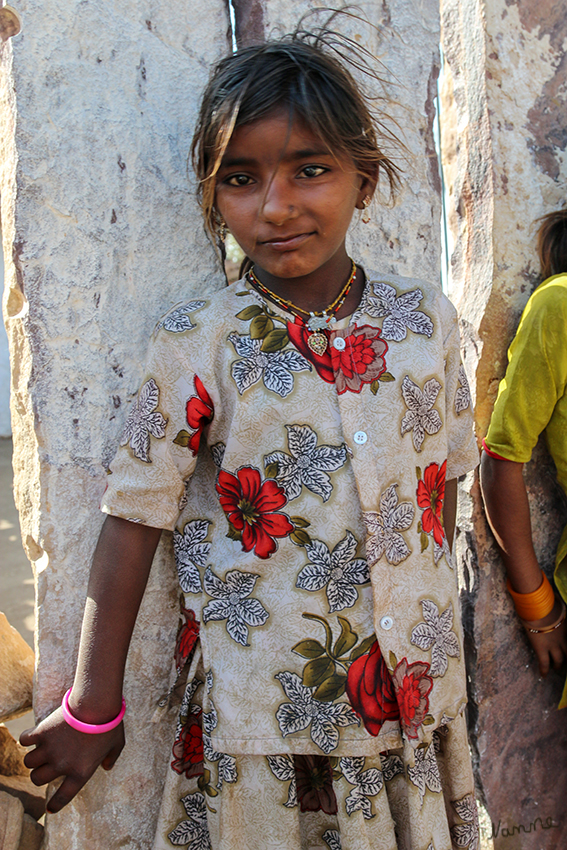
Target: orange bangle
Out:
[535,605]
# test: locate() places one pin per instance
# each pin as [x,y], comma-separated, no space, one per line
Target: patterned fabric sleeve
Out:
[535,378]
[462,451]
[158,447]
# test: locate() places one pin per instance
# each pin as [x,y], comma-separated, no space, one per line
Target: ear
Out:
[367,188]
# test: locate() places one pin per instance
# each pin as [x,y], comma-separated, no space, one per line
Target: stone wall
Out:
[504,145]
[101,235]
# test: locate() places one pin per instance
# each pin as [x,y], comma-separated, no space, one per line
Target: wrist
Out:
[90,728]
[554,617]
[94,708]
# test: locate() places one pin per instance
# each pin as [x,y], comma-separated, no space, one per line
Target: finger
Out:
[110,760]
[35,758]
[29,738]
[68,789]
[44,774]
[557,656]
[543,661]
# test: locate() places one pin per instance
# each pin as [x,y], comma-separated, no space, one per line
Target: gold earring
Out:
[222,229]
[365,214]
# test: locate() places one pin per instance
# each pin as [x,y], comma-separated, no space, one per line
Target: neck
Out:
[316,291]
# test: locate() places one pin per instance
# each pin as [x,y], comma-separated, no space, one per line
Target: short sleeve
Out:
[462,450]
[158,448]
[536,376]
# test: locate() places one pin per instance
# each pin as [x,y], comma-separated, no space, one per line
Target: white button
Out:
[339,343]
[360,437]
[386,623]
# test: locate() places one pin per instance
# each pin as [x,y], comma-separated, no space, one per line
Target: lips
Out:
[283,243]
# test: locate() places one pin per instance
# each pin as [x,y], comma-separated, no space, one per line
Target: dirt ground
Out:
[16,579]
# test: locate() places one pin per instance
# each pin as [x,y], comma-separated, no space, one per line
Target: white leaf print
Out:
[392,766]
[274,367]
[425,773]
[144,420]
[230,603]
[179,319]
[401,315]
[191,553]
[278,379]
[304,711]
[283,769]
[436,633]
[463,393]
[420,418]
[385,528]
[217,452]
[194,831]
[368,783]
[334,570]
[306,465]
[333,839]
[467,834]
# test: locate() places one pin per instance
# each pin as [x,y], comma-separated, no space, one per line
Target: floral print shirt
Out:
[305,495]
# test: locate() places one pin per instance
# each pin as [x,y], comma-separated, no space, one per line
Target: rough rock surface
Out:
[11,819]
[32,834]
[507,66]
[11,755]
[101,235]
[16,672]
[31,797]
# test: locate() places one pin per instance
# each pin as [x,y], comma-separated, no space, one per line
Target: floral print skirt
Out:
[405,799]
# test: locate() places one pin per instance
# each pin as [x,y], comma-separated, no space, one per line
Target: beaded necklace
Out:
[318,319]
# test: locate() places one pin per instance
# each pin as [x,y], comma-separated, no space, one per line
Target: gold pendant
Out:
[317,342]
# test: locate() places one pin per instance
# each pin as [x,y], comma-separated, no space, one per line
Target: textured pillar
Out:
[504,151]
[101,235]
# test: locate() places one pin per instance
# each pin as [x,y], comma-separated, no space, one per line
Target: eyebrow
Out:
[305,153]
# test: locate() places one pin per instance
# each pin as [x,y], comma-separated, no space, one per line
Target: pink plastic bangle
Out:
[90,728]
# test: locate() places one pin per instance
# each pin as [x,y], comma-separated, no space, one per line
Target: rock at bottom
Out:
[31,797]
[11,819]
[16,672]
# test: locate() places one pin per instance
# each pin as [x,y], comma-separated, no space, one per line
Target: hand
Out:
[550,648]
[62,751]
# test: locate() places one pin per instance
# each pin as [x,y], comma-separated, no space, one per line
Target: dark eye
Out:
[238,180]
[313,170]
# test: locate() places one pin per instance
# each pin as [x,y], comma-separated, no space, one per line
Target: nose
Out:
[278,203]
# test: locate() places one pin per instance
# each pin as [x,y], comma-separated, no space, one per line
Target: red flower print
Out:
[361,361]
[299,334]
[187,637]
[430,495]
[188,748]
[370,690]
[200,411]
[412,686]
[252,508]
[314,776]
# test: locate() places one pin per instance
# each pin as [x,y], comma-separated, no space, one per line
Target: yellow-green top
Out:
[532,397]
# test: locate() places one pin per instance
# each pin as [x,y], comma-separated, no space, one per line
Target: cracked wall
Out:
[505,154]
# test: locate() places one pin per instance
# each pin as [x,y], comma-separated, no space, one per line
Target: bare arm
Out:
[508,513]
[120,570]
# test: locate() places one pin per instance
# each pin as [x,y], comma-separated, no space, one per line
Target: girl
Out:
[300,433]
[532,399]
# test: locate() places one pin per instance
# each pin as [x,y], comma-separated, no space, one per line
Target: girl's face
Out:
[286,199]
